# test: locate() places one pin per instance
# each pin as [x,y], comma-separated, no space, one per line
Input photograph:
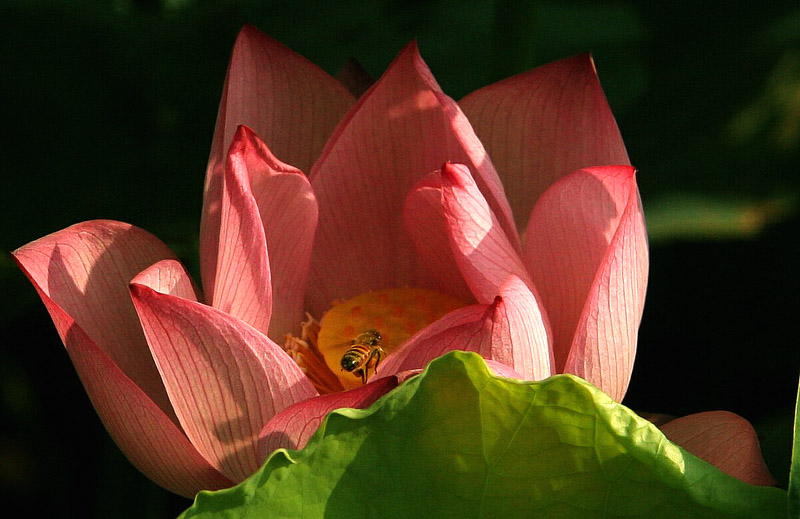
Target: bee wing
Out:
[341,344]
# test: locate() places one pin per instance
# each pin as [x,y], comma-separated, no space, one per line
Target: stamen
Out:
[306,354]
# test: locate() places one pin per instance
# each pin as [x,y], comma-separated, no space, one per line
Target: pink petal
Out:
[566,240]
[483,252]
[292,104]
[224,378]
[145,434]
[586,250]
[724,440]
[407,374]
[501,370]
[294,426]
[509,331]
[168,277]
[426,224]
[243,284]
[288,212]
[543,124]
[401,129]
[528,349]
[85,270]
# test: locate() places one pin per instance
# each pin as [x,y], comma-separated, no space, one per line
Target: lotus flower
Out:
[320,204]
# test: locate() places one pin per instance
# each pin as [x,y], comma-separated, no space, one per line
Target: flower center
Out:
[346,347]
[396,314]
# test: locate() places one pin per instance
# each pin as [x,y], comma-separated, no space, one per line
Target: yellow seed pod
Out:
[397,313]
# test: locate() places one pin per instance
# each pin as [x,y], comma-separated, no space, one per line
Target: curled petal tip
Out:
[456,174]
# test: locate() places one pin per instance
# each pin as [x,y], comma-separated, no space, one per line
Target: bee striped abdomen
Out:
[355,356]
[365,353]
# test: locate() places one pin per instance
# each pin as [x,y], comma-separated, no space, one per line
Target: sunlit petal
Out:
[483,251]
[224,378]
[586,250]
[85,270]
[404,127]
[543,124]
[243,283]
[168,277]
[292,104]
[426,224]
[288,213]
[148,437]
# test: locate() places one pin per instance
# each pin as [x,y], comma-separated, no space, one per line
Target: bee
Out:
[365,353]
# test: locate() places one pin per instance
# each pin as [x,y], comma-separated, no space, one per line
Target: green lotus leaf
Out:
[794,469]
[457,441]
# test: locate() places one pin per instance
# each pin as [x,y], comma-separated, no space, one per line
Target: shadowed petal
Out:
[292,104]
[85,270]
[401,129]
[483,251]
[224,378]
[723,439]
[509,331]
[169,277]
[148,437]
[586,250]
[543,124]
[288,212]
[426,224]
[294,426]
[355,77]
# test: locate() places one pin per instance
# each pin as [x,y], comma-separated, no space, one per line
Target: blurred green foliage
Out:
[109,109]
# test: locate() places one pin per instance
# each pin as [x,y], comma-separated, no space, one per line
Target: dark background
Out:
[108,111]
